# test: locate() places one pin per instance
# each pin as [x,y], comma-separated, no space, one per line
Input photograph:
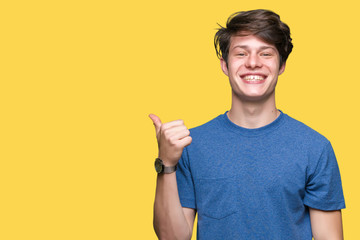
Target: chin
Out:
[254,97]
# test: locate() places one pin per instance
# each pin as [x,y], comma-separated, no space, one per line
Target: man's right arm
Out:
[171,220]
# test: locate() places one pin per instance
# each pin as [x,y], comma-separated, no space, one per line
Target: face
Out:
[253,68]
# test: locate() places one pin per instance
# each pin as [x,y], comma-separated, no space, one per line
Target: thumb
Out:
[157,122]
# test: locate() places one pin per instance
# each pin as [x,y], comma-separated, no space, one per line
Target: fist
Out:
[172,137]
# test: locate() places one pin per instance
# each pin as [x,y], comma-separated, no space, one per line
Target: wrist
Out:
[162,167]
[167,162]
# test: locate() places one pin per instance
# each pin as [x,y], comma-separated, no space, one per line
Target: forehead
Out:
[249,41]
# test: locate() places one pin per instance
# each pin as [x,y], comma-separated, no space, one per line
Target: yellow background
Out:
[79,78]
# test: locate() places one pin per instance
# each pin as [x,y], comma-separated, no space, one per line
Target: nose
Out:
[253,61]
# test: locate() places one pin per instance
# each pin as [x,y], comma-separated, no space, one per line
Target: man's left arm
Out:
[326,225]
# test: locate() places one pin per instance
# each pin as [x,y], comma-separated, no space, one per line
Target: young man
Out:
[253,172]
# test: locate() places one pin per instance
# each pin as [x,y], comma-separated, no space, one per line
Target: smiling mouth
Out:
[253,78]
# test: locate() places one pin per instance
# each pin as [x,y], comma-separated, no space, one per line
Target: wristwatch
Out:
[161,168]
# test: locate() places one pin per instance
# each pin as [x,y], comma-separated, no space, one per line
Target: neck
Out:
[253,114]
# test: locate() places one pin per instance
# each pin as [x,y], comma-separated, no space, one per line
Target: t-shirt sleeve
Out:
[185,182]
[324,189]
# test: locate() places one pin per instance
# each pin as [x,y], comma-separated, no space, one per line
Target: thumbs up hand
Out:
[172,138]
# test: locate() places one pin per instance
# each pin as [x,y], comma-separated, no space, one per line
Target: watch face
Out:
[158,166]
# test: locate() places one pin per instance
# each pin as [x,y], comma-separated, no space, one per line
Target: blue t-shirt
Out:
[258,183]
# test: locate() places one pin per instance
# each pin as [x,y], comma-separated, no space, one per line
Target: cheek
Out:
[236,66]
[273,65]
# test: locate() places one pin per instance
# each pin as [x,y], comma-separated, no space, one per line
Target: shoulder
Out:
[208,133]
[210,128]
[300,130]
[305,139]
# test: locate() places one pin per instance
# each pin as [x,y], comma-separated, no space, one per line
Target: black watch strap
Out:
[170,169]
[161,168]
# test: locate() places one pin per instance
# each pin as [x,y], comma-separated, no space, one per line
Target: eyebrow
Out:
[247,47]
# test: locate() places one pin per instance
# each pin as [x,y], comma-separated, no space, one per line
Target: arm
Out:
[326,225]
[171,220]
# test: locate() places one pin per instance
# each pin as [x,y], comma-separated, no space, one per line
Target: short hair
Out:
[264,24]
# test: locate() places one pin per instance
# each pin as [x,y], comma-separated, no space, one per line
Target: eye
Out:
[241,54]
[266,54]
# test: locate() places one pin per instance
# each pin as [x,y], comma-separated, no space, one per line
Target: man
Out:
[253,172]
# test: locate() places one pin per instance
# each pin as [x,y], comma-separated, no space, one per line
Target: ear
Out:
[282,68]
[224,67]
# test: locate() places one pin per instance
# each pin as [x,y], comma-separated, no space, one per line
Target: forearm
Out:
[169,218]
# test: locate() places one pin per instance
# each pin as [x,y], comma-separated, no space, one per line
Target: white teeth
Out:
[253,78]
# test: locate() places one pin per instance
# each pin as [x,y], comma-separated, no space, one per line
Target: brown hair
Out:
[264,24]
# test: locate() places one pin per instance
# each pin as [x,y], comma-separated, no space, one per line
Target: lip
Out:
[253,81]
[253,73]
